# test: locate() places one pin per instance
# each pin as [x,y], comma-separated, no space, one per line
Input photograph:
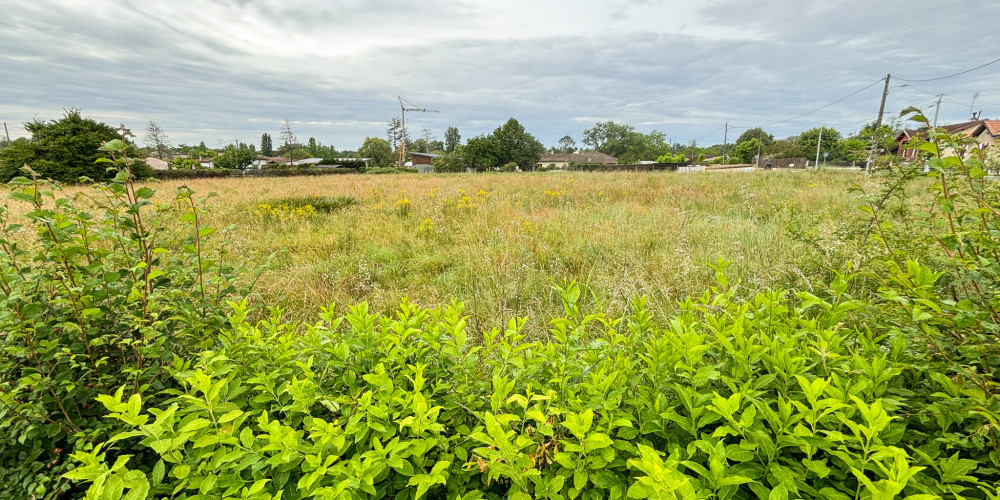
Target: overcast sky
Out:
[222,70]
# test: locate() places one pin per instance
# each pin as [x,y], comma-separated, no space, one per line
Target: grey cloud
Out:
[198,79]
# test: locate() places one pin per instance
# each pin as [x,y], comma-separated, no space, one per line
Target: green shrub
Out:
[391,170]
[99,290]
[773,397]
[324,204]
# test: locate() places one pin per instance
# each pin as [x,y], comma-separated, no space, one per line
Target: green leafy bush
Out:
[324,204]
[391,170]
[774,397]
[99,291]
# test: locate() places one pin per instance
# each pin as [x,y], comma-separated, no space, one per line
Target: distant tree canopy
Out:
[63,150]
[623,142]
[566,145]
[316,149]
[806,143]
[507,146]
[450,161]
[766,140]
[746,150]
[236,157]
[199,151]
[451,139]
[378,150]
[266,145]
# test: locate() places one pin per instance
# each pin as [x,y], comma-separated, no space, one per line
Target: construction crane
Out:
[402,112]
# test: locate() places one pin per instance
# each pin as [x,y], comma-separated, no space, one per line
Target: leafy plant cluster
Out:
[390,170]
[774,397]
[65,150]
[101,290]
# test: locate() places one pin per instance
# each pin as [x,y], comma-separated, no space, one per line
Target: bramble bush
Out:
[99,291]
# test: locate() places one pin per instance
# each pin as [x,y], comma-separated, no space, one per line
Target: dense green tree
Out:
[852,149]
[623,142]
[235,157]
[64,150]
[419,146]
[766,139]
[481,153]
[672,158]
[508,146]
[615,139]
[451,139]
[199,151]
[435,146]
[806,142]
[785,148]
[450,162]
[292,151]
[517,146]
[266,145]
[378,150]
[184,164]
[746,150]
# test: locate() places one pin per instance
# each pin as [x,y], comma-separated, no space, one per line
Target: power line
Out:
[950,76]
[709,134]
[852,94]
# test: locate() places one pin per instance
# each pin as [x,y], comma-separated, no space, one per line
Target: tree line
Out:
[66,149]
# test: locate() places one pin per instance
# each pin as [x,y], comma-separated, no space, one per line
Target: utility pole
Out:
[819,143]
[725,142]
[878,125]
[937,109]
[5,131]
[971,116]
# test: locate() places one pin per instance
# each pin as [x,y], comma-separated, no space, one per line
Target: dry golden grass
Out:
[499,242]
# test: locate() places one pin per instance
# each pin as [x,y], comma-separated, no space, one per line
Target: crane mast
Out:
[402,119]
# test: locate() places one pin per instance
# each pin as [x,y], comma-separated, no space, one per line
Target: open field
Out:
[499,242]
[769,374]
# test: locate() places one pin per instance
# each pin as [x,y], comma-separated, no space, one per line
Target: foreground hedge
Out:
[771,398]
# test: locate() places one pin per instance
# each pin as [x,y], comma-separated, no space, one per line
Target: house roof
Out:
[969,128]
[427,155]
[993,126]
[584,157]
[156,163]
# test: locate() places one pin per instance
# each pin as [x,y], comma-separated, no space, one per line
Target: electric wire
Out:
[852,94]
[949,76]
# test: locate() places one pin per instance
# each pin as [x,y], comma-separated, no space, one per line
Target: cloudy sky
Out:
[220,70]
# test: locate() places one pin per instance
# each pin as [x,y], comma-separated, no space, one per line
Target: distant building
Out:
[422,158]
[985,132]
[584,158]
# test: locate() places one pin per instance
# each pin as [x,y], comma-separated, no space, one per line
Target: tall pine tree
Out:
[266,146]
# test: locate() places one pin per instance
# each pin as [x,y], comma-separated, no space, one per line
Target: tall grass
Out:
[499,242]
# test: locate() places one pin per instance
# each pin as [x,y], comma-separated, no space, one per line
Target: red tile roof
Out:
[993,126]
